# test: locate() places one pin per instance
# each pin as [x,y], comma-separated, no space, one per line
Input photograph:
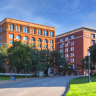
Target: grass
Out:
[81,87]
[17,77]
[4,78]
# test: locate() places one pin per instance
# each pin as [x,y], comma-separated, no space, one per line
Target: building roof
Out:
[26,23]
[76,30]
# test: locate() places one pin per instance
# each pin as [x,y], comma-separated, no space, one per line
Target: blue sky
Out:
[64,15]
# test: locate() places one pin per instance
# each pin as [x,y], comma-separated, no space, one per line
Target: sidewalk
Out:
[23,79]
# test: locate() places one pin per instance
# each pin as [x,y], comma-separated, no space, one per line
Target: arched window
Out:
[39,40]
[18,37]
[32,39]
[45,41]
[25,38]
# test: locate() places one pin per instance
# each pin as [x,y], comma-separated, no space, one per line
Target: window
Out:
[10,35]
[40,32]
[51,41]
[18,37]
[72,54]
[10,42]
[19,28]
[92,35]
[0,37]
[51,47]
[66,44]
[61,51]
[39,45]
[66,38]
[92,42]
[61,40]
[32,39]
[44,33]
[50,34]
[66,50]
[0,44]
[37,32]
[72,49]
[25,43]
[45,41]
[9,27]
[16,28]
[72,42]
[66,55]
[45,46]
[0,29]
[33,31]
[25,38]
[61,45]
[72,60]
[12,27]
[26,29]
[72,37]
[39,40]
[62,55]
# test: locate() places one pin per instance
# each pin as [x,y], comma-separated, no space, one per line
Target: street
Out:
[47,86]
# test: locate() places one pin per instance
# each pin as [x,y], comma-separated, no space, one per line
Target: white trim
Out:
[75,38]
[68,33]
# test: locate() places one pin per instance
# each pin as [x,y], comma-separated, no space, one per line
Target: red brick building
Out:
[73,45]
[43,37]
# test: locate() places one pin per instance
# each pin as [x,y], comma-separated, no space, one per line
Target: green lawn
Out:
[17,77]
[81,87]
[4,78]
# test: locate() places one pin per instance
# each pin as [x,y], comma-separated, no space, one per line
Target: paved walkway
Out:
[46,86]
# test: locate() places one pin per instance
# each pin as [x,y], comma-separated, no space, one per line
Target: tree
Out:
[56,60]
[3,56]
[35,58]
[40,59]
[44,60]
[19,56]
[92,51]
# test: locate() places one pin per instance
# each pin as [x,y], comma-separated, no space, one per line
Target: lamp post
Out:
[88,66]
[85,66]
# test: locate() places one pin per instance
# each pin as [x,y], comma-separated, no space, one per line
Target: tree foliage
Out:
[27,57]
[18,56]
[3,56]
[92,50]
[56,60]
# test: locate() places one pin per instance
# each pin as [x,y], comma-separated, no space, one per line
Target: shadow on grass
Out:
[82,80]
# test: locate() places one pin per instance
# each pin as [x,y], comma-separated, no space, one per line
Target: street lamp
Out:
[85,66]
[88,66]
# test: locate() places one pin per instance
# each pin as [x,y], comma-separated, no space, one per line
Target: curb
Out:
[67,89]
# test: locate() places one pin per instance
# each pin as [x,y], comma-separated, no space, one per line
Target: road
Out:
[47,86]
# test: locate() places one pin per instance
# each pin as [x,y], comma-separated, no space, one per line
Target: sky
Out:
[64,15]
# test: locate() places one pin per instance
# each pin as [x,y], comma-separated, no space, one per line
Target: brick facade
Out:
[6,23]
[82,38]
[26,33]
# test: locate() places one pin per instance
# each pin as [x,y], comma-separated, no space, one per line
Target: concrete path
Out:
[47,86]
